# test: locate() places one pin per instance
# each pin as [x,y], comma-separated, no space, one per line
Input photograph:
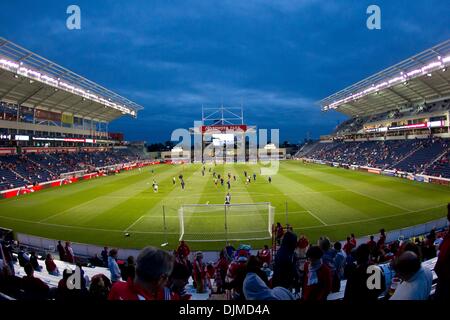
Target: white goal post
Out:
[226,222]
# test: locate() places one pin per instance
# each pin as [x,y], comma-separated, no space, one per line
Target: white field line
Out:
[385,202]
[317,217]
[67,210]
[134,223]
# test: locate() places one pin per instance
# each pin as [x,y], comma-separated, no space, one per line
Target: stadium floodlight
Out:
[226,222]
[21,69]
[427,69]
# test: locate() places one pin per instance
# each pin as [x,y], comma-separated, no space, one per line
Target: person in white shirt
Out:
[417,279]
[113,266]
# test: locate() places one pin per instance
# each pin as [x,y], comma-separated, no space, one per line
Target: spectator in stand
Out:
[353,240]
[153,268]
[221,268]
[382,240]
[34,288]
[34,262]
[279,232]
[129,270]
[178,280]
[210,272]
[302,245]
[229,250]
[328,256]
[357,274]
[99,288]
[183,249]
[372,247]
[236,273]
[264,255]
[255,285]
[70,257]
[23,258]
[113,266]
[199,273]
[104,254]
[284,271]
[66,293]
[51,266]
[442,267]
[417,280]
[317,283]
[61,251]
[339,264]
[348,246]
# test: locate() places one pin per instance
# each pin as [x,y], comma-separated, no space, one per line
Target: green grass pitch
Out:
[320,200]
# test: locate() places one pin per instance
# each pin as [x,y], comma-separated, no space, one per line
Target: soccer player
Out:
[215,181]
[174,180]
[182,184]
[155,187]
[221,182]
[228,198]
[254,176]
[270,179]
[229,184]
[234,178]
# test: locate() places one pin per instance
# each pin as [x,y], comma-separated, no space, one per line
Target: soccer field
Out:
[320,201]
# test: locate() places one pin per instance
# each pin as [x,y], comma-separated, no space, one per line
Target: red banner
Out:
[224,128]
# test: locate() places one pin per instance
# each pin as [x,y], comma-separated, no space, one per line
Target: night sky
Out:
[276,58]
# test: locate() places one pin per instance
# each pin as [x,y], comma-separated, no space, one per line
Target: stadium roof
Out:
[29,79]
[424,77]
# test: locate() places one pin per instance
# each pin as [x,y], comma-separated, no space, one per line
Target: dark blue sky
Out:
[276,57]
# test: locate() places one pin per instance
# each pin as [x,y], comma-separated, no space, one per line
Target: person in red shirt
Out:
[153,268]
[199,273]
[302,245]
[442,267]
[353,240]
[221,267]
[317,282]
[348,246]
[51,266]
[264,255]
[183,249]
[34,288]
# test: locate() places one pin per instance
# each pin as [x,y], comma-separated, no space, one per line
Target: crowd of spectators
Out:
[25,169]
[298,270]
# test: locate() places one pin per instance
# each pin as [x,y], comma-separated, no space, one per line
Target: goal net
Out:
[219,222]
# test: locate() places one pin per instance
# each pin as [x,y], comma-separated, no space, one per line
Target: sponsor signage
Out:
[224,128]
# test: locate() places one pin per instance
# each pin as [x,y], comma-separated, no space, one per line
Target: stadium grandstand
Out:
[54,123]
[398,120]
[55,129]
